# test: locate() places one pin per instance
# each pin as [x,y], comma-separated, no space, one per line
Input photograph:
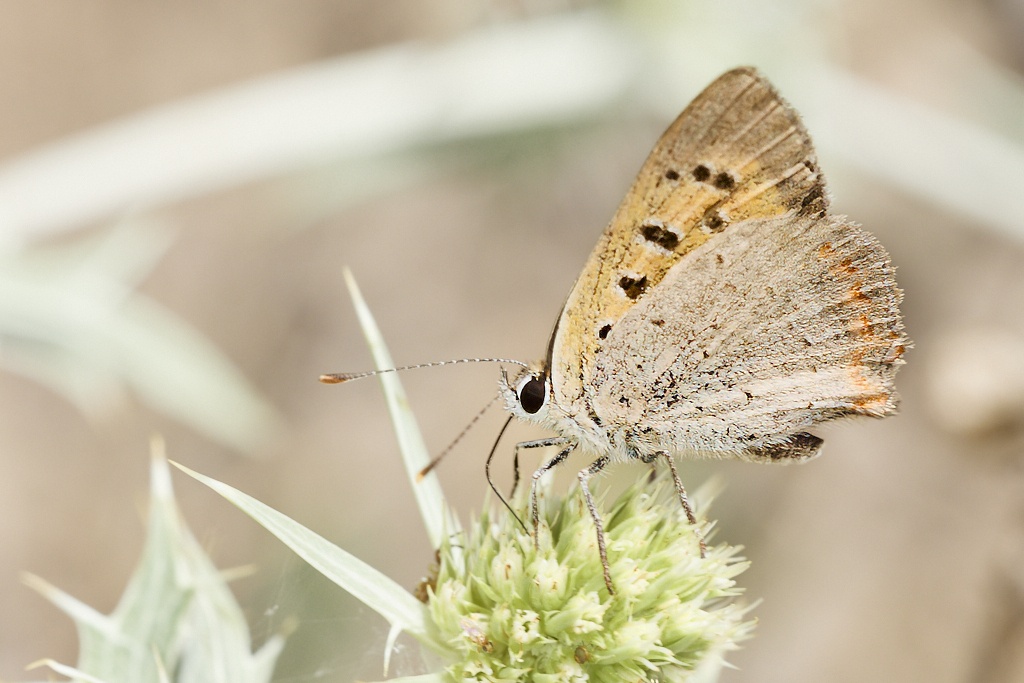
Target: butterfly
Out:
[724,310]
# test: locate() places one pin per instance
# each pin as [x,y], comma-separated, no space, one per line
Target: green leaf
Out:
[373,588]
[427,489]
[70,318]
[69,671]
[176,614]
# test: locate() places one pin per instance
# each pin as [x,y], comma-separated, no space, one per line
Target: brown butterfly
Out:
[723,311]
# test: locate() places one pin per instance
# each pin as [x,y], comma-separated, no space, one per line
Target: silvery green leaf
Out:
[373,588]
[176,614]
[427,489]
[69,671]
[71,319]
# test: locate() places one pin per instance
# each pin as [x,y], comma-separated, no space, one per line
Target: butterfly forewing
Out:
[738,151]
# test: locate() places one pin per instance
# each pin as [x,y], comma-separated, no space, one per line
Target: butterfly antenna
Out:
[448,449]
[341,377]
[490,482]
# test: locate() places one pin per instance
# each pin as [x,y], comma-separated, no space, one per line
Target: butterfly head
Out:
[526,394]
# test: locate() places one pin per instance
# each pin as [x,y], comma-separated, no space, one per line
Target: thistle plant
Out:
[502,606]
[177,619]
[509,609]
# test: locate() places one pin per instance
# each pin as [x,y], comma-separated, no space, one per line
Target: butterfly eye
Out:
[532,394]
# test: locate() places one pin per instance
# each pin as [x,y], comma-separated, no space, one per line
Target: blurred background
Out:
[181,186]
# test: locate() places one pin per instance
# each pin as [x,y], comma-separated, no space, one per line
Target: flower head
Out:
[507,609]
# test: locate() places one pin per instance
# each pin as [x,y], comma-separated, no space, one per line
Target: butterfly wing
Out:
[767,328]
[737,152]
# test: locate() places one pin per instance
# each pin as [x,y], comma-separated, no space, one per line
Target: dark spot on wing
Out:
[633,287]
[672,174]
[714,220]
[658,323]
[603,332]
[660,235]
[796,447]
[701,173]
[725,181]
[813,201]
[812,196]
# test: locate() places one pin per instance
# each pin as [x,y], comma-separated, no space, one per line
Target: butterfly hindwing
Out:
[773,326]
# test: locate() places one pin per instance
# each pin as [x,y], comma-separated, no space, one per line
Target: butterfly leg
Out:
[584,477]
[562,455]
[685,501]
[539,443]
[653,473]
